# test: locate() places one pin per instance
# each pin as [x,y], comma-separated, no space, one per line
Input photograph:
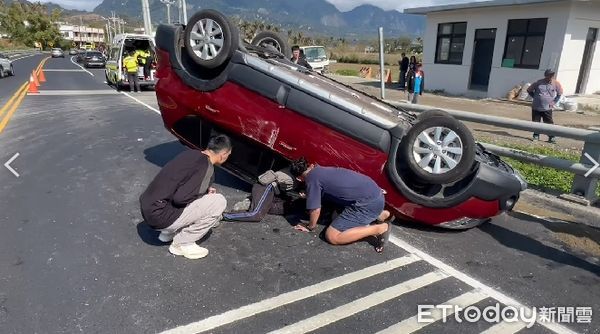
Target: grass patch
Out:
[545,178]
[347,72]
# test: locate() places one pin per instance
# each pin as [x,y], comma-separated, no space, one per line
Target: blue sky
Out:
[343,5]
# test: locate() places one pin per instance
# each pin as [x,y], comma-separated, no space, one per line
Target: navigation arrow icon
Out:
[7,164]
[596,165]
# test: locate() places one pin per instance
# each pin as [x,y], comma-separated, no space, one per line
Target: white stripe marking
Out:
[142,103]
[411,324]
[359,305]
[491,292]
[24,57]
[62,70]
[505,328]
[76,92]
[290,297]
[74,63]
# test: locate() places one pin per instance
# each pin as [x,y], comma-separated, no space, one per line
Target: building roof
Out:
[477,4]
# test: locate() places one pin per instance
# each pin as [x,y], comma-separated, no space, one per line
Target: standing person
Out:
[143,60]
[412,64]
[361,197]
[415,84]
[130,63]
[180,201]
[404,62]
[545,93]
[298,59]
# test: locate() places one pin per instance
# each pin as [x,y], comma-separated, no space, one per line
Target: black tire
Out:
[432,113]
[456,173]
[229,35]
[1,72]
[12,71]
[274,39]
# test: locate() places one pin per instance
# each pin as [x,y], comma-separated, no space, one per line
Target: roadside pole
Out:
[381,63]
[184,11]
[146,15]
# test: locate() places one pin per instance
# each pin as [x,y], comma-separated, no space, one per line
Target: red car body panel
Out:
[293,135]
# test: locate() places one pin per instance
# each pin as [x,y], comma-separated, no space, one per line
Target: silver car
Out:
[6,66]
[57,52]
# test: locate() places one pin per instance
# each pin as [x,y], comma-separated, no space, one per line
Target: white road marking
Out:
[74,63]
[411,324]
[62,70]
[491,292]
[142,103]
[505,328]
[31,55]
[7,165]
[76,92]
[290,297]
[359,305]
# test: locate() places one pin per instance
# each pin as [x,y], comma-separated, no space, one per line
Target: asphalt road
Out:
[75,255]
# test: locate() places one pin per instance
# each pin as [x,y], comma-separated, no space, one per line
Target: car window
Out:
[315,54]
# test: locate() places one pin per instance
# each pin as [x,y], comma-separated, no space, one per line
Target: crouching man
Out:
[363,201]
[181,203]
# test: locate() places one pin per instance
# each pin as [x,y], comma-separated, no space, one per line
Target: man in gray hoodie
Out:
[545,93]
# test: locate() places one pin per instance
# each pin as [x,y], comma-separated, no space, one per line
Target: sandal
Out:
[383,238]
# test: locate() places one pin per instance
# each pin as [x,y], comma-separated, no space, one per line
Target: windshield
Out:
[315,53]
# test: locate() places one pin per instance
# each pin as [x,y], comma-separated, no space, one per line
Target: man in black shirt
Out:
[180,201]
[403,69]
[298,59]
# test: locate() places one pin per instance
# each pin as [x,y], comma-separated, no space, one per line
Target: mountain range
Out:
[312,17]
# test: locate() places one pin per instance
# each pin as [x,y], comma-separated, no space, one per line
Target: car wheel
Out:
[210,39]
[432,113]
[1,72]
[439,150]
[12,71]
[276,40]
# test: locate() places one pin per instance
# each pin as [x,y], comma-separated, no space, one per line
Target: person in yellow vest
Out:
[130,64]
[143,60]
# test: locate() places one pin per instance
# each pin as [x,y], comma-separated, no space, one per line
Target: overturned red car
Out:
[210,81]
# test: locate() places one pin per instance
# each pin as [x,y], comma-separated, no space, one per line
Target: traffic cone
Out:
[41,76]
[35,79]
[388,76]
[32,87]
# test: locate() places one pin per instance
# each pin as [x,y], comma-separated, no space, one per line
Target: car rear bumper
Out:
[95,64]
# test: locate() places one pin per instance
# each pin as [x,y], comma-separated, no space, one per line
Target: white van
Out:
[119,48]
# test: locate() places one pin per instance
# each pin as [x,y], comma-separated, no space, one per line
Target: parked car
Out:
[93,59]
[57,52]
[73,52]
[275,111]
[119,47]
[6,66]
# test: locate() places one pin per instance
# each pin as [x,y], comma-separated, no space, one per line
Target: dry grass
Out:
[374,69]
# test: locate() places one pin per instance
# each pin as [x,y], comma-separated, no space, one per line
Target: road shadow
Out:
[150,236]
[160,154]
[529,245]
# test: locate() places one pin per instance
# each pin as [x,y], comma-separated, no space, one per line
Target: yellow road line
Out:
[15,101]
[10,101]
[12,110]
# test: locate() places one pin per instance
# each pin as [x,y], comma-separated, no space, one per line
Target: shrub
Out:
[347,72]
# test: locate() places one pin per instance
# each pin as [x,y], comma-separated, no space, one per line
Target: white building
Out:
[486,48]
[81,35]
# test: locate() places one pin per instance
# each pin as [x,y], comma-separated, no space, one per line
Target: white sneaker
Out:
[189,251]
[166,236]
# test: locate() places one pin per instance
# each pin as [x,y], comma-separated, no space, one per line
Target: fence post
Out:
[586,186]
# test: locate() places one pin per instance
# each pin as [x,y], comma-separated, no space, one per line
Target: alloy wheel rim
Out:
[269,41]
[438,150]
[207,39]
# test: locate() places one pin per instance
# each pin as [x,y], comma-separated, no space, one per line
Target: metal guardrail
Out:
[584,183]
[14,53]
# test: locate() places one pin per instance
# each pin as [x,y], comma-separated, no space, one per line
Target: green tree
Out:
[30,24]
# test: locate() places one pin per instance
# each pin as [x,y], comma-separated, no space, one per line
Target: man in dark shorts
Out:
[363,201]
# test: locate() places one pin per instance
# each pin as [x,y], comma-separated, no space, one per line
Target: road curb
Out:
[587,215]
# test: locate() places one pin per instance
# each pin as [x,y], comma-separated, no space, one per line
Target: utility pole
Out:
[184,11]
[168,3]
[146,15]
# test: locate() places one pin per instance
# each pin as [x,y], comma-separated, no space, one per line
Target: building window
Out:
[524,43]
[450,43]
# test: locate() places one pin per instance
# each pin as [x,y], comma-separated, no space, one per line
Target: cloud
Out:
[400,5]
[76,4]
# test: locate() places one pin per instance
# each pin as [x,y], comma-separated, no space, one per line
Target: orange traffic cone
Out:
[32,87]
[41,76]
[388,76]
[35,79]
